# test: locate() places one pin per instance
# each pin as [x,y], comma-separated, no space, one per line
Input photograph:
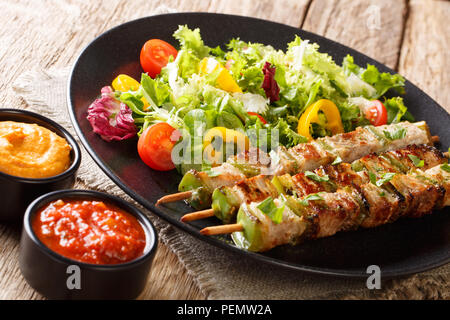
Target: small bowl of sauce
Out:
[79,244]
[89,231]
[28,150]
[37,156]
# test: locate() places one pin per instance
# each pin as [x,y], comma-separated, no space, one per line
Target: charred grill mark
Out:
[304,186]
[313,226]
[333,215]
[332,171]
[251,194]
[245,188]
[420,197]
[425,201]
[362,204]
[365,202]
[350,136]
[380,164]
[430,155]
[380,209]
[441,197]
[344,175]
[307,151]
[330,185]
[347,178]
[359,137]
[400,202]
[255,189]
[351,209]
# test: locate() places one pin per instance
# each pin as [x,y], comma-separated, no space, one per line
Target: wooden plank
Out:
[425,55]
[372,27]
[48,34]
[289,12]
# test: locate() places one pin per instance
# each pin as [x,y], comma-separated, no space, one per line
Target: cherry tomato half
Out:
[155,146]
[155,55]
[259,116]
[376,113]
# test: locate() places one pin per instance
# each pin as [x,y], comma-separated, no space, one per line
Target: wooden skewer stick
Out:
[198,215]
[435,139]
[174,197]
[225,229]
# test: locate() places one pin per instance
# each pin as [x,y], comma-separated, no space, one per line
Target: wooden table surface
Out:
[409,36]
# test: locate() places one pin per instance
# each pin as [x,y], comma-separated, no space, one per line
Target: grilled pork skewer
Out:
[306,156]
[264,225]
[227,200]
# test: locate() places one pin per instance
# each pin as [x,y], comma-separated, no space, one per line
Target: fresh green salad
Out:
[187,95]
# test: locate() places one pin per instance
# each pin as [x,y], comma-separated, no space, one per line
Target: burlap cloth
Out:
[221,274]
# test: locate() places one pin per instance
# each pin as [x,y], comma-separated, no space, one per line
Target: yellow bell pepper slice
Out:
[334,122]
[126,83]
[227,136]
[224,81]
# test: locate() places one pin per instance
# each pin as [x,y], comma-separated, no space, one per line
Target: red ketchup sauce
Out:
[90,231]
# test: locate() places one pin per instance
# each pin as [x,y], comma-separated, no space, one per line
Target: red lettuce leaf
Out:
[269,84]
[110,118]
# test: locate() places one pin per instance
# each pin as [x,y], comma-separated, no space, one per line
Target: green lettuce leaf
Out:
[382,82]
[251,79]
[397,110]
[155,92]
[198,121]
[190,40]
[287,136]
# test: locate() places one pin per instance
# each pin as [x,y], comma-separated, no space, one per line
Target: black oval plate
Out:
[405,247]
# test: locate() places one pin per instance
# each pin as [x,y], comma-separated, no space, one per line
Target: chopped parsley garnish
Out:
[372,177]
[385,177]
[419,163]
[400,133]
[310,197]
[446,167]
[337,160]
[316,177]
[269,208]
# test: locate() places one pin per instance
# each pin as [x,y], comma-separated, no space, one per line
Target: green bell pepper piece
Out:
[201,196]
[251,237]
[223,205]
